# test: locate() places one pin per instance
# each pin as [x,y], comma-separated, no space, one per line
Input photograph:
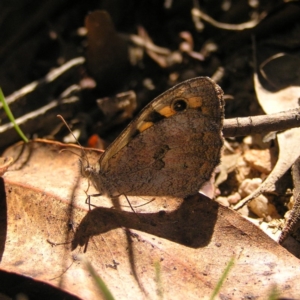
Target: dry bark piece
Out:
[192,239]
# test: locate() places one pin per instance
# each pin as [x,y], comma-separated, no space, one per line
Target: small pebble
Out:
[248,186]
[259,160]
[234,198]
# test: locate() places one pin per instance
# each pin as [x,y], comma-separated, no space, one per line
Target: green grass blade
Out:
[159,289]
[274,294]
[221,280]
[100,283]
[11,117]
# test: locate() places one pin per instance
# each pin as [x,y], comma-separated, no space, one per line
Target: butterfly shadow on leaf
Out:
[192,224]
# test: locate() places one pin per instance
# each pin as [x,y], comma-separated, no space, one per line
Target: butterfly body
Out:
[170,149]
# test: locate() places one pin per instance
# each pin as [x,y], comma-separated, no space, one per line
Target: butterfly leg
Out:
[88,200]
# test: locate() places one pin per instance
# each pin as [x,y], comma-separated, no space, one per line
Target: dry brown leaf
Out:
[107,52]
[288,141]
[293,222]
[192,240]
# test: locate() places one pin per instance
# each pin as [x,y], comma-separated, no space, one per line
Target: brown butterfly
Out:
[170,149]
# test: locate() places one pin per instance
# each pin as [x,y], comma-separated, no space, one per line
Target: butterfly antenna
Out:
[64,121]
[68,127]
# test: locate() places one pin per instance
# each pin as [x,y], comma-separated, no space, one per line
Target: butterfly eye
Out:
[179,105]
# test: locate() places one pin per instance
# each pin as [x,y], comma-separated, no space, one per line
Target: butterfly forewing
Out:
[172,147]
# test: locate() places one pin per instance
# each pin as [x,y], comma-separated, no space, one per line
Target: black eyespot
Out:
[179,105]
[154,117]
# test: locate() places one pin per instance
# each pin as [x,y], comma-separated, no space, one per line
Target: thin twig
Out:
[262,124]
[200,14]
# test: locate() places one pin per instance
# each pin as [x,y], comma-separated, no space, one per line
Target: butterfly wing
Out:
[172,147]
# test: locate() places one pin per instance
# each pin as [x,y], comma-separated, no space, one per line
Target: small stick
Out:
[262,124]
